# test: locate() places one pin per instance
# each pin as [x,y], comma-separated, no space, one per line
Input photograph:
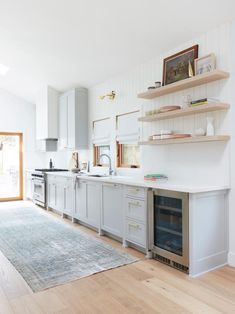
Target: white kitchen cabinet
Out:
[73,119]
[93,203]
[112,209]
[80,210]
[51,192]
[47,114]
[135,208]
[60,194]
[68,195]
[87,202]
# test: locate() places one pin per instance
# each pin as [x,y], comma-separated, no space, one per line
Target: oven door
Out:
[39,191]
[169,223]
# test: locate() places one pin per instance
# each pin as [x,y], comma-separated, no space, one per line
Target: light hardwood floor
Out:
[143,287]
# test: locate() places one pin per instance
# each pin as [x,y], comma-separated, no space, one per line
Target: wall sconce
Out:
[110,96]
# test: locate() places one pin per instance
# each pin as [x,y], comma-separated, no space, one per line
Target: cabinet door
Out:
[59,193]
[68,197]
[51,194]
[80,201]
[93,204]
[63,122]
[71,120]
[112,209]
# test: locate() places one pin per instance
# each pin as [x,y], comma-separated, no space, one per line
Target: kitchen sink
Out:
[97,175]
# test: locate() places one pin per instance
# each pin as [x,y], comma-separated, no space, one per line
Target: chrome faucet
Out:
[110,167]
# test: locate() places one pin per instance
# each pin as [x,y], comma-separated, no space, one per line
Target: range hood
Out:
[47,117]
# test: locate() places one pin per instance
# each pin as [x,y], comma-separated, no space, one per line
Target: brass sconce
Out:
[110,96]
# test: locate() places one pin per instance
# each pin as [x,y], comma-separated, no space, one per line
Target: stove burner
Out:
[50,170]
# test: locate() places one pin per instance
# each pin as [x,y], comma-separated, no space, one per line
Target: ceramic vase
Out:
[210,131]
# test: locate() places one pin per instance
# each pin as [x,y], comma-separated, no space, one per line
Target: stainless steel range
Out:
[39,185]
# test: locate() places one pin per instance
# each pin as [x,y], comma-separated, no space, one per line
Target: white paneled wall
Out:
[195,162]
[207,163]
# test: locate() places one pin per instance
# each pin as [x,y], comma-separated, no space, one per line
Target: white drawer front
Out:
[135,191]
[135,209]
[136,232]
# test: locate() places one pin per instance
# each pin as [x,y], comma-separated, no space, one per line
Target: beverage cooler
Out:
[169,228]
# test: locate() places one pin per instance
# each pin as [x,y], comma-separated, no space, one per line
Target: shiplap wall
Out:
[192,163]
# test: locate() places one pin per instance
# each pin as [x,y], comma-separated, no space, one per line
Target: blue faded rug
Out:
[48,252]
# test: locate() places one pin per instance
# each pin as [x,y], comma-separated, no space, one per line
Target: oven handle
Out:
[38,180]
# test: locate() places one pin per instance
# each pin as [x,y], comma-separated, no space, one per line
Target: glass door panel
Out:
[11,176]
[168,224]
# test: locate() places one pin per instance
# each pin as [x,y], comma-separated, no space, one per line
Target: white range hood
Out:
[47,117]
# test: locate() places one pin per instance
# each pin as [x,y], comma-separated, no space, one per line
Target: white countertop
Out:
[168,185]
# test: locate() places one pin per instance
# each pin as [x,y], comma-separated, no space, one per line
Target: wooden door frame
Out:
[20,197]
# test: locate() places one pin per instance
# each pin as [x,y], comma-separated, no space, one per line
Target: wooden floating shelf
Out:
[194,139]
[185,112]
[184,84]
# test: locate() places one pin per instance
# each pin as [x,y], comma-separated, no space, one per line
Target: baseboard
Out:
[231,259]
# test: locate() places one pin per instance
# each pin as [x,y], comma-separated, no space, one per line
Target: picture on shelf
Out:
[179,66]
[205,64]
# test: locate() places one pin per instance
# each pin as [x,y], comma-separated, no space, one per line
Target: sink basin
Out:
[97,175]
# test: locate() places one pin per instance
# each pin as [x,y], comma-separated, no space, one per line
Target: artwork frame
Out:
[205,64]
[176,67]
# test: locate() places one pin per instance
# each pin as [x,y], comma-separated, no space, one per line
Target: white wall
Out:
[17,115]
[231,256]
[204,163]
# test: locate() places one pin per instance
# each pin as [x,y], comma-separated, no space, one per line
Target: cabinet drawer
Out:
[135,209]
[135,232]
[135,191]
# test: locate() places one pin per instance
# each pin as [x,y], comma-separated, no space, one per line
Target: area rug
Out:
[47,252]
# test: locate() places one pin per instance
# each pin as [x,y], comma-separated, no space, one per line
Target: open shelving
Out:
[185,112]
[193,139]
[194,81]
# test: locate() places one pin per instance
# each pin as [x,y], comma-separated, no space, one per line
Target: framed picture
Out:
[179,66]
[205,64]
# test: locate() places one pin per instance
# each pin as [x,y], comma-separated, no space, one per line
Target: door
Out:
[80,200]
[170,225]
[68,197]
[71,120]
[93,204]
[112,209]
[11,166]
[51,193]
[63,122]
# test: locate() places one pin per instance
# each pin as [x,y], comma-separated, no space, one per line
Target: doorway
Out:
[11,166]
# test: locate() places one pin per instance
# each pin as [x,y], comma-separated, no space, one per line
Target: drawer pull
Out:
[134,190]
[134,226]
[134,203]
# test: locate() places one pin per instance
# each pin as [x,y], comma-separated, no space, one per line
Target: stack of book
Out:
[155,177]
[203,101]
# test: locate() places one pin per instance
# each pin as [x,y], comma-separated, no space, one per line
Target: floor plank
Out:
[144,287]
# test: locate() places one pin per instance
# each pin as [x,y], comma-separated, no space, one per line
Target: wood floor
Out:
[143,287]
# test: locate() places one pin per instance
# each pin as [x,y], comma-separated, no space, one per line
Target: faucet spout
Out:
[109,159]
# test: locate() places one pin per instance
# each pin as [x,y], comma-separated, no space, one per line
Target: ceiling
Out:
[68,43]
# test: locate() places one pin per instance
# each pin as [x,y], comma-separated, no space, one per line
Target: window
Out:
[128,155]
[128,150]
[101,141]
[98,151]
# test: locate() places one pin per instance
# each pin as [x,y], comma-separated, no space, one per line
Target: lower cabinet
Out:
[93,203]
[68,196]
[112,218]
[51,192]
[87,202]
[60,194]
[135,207]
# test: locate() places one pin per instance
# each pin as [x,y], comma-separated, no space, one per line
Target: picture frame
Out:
[205,64]
[179,66]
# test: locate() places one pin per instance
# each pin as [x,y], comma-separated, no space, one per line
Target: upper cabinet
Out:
[73,119]
[47,114]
